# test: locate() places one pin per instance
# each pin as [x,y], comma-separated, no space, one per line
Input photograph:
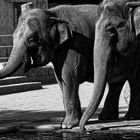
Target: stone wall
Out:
[41,74]
[9,13]
[6,17]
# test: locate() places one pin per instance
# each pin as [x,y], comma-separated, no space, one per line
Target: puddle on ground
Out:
[70,136]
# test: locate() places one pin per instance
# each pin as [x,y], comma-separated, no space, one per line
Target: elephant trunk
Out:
[14,61]
[19,48]
[101,56]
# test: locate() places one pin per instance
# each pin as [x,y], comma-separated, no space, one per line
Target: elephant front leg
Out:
[72,106]
[110,109]
[134,105]
[71,101]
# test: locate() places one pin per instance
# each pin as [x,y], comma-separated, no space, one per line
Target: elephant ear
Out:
[60,31]
[137,21]
[134,15]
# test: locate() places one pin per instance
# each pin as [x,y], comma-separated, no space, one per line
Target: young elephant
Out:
[63,35]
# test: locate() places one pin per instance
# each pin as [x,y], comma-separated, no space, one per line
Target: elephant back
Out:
[81,18]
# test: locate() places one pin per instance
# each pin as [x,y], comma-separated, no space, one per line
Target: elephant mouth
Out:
[35,62]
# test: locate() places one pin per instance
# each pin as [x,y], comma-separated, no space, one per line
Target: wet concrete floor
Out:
[103,135]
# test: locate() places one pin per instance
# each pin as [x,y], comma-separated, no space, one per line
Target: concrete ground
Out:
[48,99]
[43,109]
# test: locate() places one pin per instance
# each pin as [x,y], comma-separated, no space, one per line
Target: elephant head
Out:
[114,32]
[38,34]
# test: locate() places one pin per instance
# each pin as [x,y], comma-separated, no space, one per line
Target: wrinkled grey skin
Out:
[64,36]
[116,59]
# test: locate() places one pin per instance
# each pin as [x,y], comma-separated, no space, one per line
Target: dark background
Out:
[76,1]
[53,3]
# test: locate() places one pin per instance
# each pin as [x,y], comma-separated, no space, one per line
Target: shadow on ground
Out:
[30,116]
[45,125]
[52,119]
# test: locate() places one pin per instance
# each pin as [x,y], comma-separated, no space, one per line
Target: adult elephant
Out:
[63,35]
[116,59]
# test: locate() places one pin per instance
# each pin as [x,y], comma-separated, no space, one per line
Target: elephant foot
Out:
[106,115]
[70,122]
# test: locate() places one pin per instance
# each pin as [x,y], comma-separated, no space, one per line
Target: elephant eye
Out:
[32,41]
[121,25]
[111,30]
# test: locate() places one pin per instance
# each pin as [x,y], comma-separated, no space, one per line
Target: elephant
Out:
[63,35]
[116,59]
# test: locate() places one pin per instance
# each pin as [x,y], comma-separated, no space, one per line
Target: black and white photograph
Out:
[69,69]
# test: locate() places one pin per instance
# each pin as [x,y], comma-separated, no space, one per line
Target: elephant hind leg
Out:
[134,105]
[110,109]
